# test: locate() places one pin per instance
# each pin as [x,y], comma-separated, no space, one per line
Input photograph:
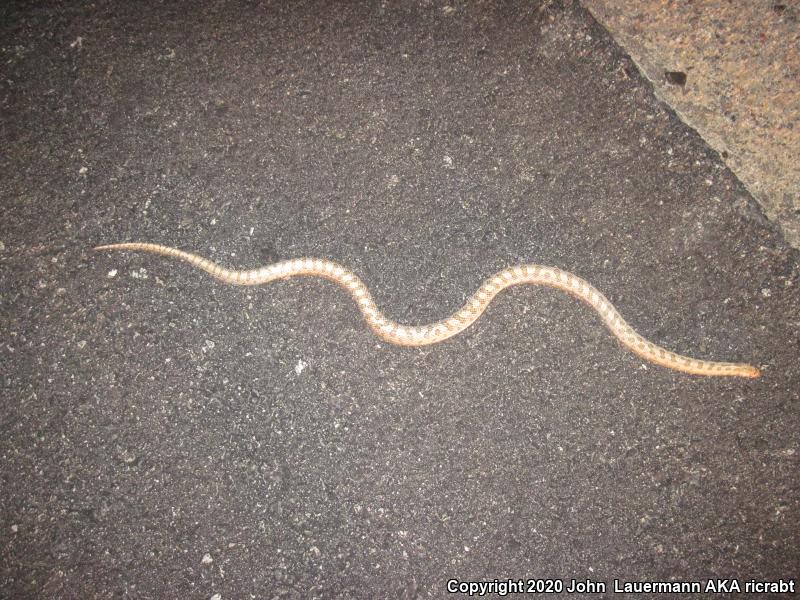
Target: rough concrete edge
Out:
[787,225]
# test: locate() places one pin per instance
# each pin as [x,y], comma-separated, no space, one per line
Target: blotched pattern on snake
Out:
[421,335]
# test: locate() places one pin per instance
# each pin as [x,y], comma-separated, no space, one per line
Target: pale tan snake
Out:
[421,335]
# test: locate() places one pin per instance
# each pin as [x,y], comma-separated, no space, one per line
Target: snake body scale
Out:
[421,335]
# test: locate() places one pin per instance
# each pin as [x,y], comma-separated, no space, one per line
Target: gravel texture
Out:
[164,436]
[739,65]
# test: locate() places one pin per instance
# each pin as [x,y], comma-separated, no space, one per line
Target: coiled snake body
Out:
[421,335]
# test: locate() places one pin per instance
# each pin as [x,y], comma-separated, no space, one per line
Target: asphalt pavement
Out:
[166,436]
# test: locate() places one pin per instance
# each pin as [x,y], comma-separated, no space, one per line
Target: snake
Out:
[423,335]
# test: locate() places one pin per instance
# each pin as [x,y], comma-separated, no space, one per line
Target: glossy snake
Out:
[421,335]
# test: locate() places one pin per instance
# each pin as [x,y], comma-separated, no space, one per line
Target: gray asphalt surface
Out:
[165,436]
